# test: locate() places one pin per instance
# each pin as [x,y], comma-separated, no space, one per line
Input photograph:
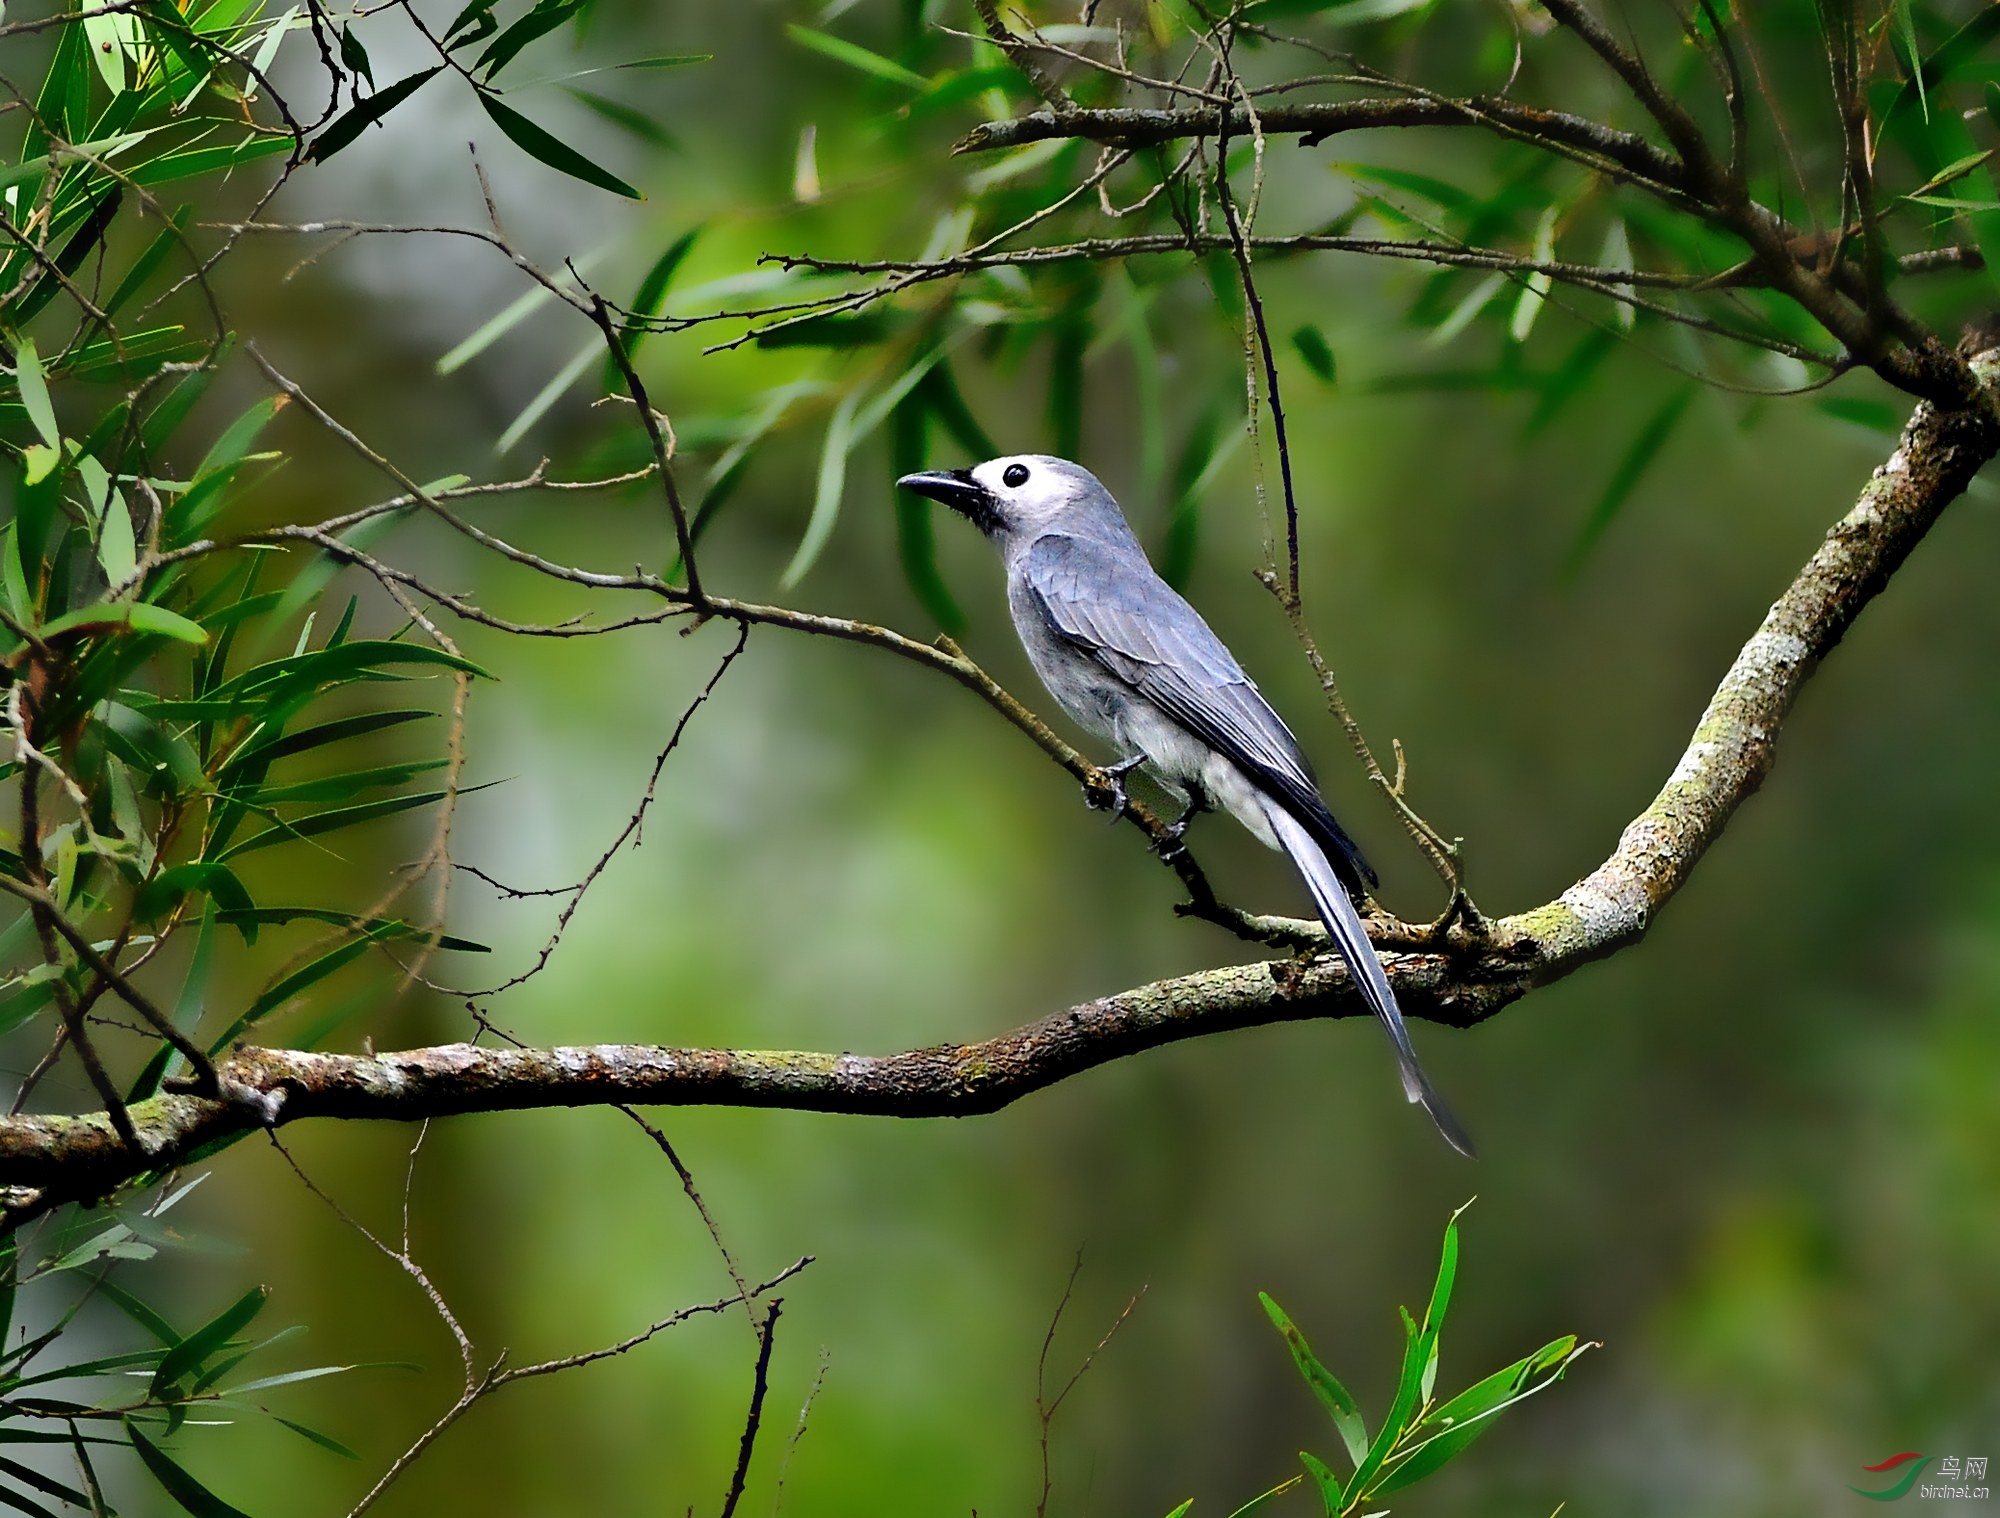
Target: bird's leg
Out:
[1116,800]
[1170,847]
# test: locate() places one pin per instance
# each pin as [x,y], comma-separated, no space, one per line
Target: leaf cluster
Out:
[1420,1433]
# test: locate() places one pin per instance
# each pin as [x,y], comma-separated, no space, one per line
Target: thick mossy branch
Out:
[49,1160]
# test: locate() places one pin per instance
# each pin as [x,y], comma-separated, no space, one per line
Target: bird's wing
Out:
[1147,635]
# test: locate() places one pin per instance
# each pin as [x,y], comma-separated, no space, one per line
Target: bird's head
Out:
[1024,494]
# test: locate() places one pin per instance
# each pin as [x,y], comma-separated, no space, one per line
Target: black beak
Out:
[957,489]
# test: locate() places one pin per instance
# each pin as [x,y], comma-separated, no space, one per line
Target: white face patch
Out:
[1032,491]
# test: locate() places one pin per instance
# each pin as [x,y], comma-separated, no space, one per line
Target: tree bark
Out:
[1464,978]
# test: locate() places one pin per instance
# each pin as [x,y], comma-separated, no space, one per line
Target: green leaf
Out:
[23,1504]
[139,1312]
[1466,1416]
[646,303]
[1875,416]
[1193,470]
[28,1476]
[1617,254]
[1448,197]
[34,387]
[1905,32]
[272,746]
[856,57]
[337,665]
[234,444]
[1536,290]
[1949,174]
[475,21]
[665,61]
[509,317]
[177,1483]
[1447,1275]
[1324,1481]
[134,355]
[1632,467]
[376,928]
[1335,1398]
[189,1354]
[104,201]
[827,492]
[316,823]
[843,332]
[1417,1346]
[217,881]
[1571,377]
[538,406]
[1316,351]
[117,549]
[289,986]
[288,1378]
[214,160]
[544,17]
[324,1441]
[10,1281]
[627,118]
[116,1242]
[537,143]
[1182,1510]
[1066,400]
[135,616]
[341,787]
[916,544]
[946,404]
[1462,315]
[349,126]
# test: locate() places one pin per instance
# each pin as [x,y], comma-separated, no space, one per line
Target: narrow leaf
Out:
[1316,351]
[34,387]
[856,57]
[827,493]
[1335,1398]
[647,299]
[177,1483]
[1529,306]
[350,126]
[139,617]
[1324,1481]
[206,1340]
[537,143]
[1632,467]
[331,821]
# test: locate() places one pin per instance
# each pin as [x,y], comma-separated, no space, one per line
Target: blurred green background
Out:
[1757,1156]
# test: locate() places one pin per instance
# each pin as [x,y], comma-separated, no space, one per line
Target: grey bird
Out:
[1133,663]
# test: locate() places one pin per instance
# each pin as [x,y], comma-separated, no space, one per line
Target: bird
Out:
[1125,655]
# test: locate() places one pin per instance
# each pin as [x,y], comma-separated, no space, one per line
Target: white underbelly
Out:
[1190,768]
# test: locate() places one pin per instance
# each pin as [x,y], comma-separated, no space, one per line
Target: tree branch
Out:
[48,1160]
[1317,120]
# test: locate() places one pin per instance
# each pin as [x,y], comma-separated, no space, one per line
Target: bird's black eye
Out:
[1015,477]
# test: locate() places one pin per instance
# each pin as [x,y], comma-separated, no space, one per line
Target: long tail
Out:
[1344,923]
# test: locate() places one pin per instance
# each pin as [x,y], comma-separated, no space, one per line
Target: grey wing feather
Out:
[1147,635]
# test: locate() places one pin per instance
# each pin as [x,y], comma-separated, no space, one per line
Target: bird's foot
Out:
[1169,845]
[1113,798]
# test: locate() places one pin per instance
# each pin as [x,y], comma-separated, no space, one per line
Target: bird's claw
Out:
[1113,797]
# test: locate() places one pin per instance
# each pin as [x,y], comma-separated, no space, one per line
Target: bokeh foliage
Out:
[208,692]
